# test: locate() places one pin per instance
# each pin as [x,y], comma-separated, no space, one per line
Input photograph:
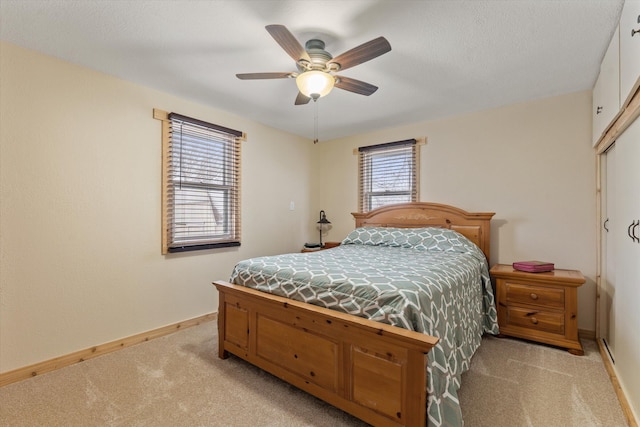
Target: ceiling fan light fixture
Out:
[316,66]
[314,83]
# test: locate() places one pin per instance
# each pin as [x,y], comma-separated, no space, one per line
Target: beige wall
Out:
[531,163]
[80,260]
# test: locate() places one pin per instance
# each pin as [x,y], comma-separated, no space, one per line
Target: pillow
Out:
[372,236]
[433,239]
[442,240]
[387,236]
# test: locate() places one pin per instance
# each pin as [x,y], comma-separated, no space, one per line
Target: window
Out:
[388,174]
[201,188]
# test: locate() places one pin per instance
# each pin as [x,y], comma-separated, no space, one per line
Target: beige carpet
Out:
[516,383]
[178,380]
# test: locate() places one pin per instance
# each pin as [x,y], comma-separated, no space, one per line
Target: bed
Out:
[381,326]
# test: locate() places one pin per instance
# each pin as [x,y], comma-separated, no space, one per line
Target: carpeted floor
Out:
[178,380]
[526,384]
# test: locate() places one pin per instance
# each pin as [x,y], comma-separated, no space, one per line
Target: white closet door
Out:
[627,263]
[608,282]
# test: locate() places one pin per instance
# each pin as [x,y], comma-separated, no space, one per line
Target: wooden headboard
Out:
[475,226]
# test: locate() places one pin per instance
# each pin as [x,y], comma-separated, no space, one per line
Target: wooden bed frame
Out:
[371,370]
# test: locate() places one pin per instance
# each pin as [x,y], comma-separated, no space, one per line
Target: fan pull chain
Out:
[315,121]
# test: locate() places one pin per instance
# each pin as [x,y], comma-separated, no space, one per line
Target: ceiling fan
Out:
[316,67]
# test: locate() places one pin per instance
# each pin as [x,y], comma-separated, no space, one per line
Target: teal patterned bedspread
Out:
[430,280]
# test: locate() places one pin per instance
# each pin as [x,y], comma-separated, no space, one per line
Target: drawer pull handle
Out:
[534,320]
[534,296]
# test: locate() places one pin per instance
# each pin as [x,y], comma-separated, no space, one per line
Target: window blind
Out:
[202,201]
[388,174]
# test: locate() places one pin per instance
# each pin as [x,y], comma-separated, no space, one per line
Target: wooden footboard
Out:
[374,371]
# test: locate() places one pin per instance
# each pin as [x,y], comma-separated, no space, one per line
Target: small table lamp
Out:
[323,224]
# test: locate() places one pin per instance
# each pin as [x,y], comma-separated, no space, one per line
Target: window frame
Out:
[213,137]
[366,170]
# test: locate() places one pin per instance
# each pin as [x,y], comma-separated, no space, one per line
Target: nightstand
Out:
[327,245]
[540,307]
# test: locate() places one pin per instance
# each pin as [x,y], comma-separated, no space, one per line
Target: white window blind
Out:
[202,188]
[388,174]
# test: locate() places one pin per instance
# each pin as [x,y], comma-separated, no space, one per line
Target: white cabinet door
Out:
[629,48]
[606,92]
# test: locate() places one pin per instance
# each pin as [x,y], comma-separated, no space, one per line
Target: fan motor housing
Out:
[319,56]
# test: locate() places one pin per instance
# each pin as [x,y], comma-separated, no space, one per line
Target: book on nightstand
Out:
[533,266]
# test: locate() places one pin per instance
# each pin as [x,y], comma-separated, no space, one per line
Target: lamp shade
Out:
[315,84]
[323,219]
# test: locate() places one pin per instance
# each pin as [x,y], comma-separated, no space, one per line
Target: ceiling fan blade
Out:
[363,53]
[288,42]
[255,76]
[302,99]
[355,86]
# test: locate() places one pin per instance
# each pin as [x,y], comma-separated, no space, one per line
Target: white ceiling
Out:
[447,57]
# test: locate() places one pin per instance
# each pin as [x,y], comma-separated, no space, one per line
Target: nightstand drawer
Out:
[530,294]
[544,321]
